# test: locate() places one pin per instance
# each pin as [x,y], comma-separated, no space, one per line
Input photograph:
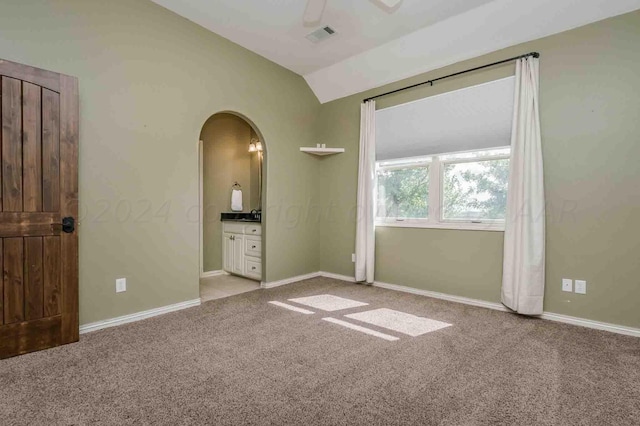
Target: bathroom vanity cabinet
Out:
[242,249]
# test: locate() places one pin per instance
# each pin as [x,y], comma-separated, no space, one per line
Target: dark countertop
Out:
[240,217]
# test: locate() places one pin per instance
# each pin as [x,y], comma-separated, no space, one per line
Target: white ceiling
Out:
[485,29]
[473,118]
[373,47]
[275,28]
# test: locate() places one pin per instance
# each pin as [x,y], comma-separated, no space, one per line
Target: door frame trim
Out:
[201,208]
[263,203]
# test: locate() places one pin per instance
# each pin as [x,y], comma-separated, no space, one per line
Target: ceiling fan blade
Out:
[313,12]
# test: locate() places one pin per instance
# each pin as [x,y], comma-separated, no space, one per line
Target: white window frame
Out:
[402,164]
[435,202]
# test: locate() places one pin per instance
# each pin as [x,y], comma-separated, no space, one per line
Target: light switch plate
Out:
[353,257]
[581,287]
[121,285]
[567,285]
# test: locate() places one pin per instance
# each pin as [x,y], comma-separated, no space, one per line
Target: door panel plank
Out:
[37,230]
[23,337]
[16,224]
[13,273]
[51,276]
[50,151]
[69,119]
[33,290]
[44,78]
[11,144]
[32,147]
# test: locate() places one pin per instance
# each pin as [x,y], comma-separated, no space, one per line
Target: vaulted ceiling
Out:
[375,45]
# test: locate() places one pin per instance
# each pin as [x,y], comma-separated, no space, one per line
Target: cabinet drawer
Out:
[233,228]
[253,229]
[253,246]
[253,268]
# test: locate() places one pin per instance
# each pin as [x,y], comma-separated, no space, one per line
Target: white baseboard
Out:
[285,281]
[620,329]
[337,276]
[99,325]
[614,328]
[442,296]
[213,273]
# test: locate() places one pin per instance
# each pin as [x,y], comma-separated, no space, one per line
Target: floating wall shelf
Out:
[321,151]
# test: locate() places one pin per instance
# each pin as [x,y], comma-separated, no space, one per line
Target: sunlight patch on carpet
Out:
[361,329]
[328,302]
[399,321]
[292,308]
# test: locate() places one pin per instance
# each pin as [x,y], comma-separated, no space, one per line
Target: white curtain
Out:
[365,220]
[524,237]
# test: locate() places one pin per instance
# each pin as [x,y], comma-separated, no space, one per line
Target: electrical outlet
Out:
[121,285]
[581,287]
[567,285]
[353,257]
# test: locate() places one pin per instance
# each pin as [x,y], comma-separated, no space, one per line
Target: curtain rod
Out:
[534,54]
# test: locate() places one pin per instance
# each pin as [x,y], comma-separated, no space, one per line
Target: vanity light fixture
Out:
[255,145]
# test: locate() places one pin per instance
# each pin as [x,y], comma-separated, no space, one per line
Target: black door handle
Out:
[68,224]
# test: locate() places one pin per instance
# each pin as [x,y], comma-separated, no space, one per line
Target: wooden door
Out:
[38,192]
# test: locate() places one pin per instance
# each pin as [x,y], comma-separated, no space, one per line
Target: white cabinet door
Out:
[242,250]
[227,252]
[238,254]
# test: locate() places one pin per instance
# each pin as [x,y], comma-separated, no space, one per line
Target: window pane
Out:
[403,193]
[475,190]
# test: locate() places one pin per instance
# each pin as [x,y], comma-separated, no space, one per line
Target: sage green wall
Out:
[149,80]
[226,160]
[589,105]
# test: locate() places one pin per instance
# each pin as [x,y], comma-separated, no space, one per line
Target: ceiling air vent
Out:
[321,34]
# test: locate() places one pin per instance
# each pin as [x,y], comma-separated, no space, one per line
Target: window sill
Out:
[462,226]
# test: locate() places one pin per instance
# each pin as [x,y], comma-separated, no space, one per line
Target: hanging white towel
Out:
[236,200]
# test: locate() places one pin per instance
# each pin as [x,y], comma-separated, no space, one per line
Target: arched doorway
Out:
[232,182]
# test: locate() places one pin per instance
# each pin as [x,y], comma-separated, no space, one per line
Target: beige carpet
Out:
[241,360]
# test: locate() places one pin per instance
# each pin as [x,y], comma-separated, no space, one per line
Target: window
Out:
[403,191]
[443,161]
[461,191]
